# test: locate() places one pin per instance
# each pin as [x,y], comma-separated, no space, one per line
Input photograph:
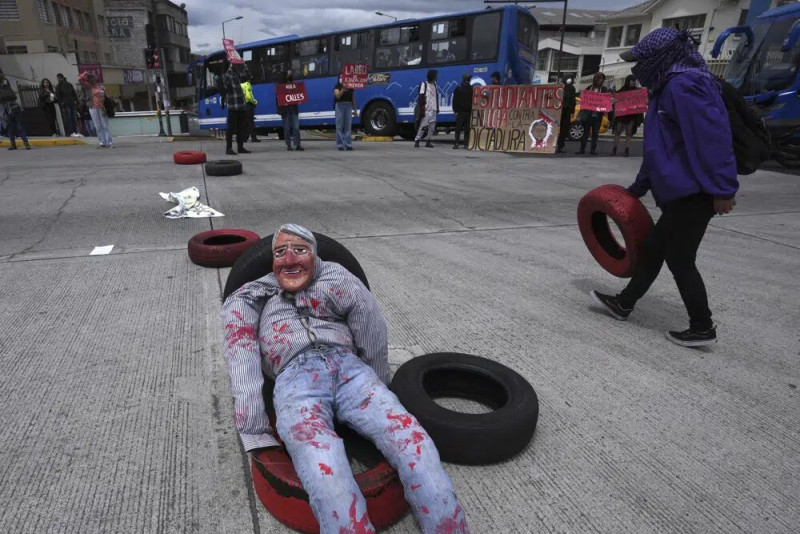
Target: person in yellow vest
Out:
[251,103]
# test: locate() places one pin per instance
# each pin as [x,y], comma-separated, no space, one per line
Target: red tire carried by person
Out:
[220,248]
[631,217]
[189,157]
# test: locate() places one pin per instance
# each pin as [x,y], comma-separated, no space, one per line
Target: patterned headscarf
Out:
[300,231]
[662,52]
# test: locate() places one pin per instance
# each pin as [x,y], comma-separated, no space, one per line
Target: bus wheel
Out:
[380,119]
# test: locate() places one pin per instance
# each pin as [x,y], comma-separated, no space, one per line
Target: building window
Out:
[44,13]
[567,62]
[614,36]
[101,25]
[68,17]
[108,58]
[16,49]
[9,11]
[79,18]
[632,34]
[57,14]
[686,23]
[542,62]
[52,48]
[88,22]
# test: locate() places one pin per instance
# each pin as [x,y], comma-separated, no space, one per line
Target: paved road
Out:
[116,406]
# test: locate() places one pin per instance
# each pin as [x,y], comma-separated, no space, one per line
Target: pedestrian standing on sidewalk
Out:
[291,118]
[592,120]
[462,106]
[251,103]
[626,123]
[11,113]
[428,104]
[690,168]
[47,101]
[345,104]
[67,98]
[97,109]
[237,111]
[567,109]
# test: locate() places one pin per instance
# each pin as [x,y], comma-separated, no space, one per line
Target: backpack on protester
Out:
[109,107]
[752,143]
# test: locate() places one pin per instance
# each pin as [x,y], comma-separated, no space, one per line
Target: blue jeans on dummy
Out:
[291,127]
[344,124]
[330,383]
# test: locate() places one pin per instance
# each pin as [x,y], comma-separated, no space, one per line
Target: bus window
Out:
[351,48]
[269,64]
[398,47]
[448,42]
[214,71]
[310,58]
[526,32]
[485,30]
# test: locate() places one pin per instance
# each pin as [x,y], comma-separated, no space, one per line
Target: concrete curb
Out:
[46,142]
[377,138]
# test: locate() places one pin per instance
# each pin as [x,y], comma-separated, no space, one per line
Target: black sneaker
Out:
[416,144]
[349,149]
[243,150]
[299,148]
[230,152]
[428,145]
[693,338]
[455,146]
[289,148]
[611,305]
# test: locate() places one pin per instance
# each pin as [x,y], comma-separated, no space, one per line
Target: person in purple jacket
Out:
[689,167]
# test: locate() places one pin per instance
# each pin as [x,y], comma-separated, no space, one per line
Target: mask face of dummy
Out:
[292,262]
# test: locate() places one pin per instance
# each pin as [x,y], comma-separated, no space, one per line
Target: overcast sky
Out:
[307,17]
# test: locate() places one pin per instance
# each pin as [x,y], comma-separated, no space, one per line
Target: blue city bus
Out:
[398,54]
[764,67]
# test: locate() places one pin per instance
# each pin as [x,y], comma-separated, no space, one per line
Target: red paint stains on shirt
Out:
[455,524]
[365,404]
[411,465]
[415,486]
[357,526]
[326,469]
[239,417]
[315,303]
[424,510]
[241,334]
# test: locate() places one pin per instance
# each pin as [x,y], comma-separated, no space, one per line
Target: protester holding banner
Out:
[291,118]
[345,107]
[690,168]
[237,111]
[462,107]
[428,103]
[567,109]
[591,119]
[625,123]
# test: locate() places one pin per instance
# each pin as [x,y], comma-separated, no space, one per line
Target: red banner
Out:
[630,102]
[290,94]
[230,51]
[95,70]
[355,76]
[594,101]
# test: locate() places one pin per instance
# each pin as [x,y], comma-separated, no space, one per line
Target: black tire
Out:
[575,131]
[257,262]
[380,119]
[224,167]
[462,438]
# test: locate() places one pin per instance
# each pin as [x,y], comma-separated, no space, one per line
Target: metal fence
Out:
[28,95]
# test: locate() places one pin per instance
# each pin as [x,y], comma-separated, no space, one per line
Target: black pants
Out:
[237,123]
[675,239]
[251,122]
[593,124]
[563,132]
[462,125]
[50,115]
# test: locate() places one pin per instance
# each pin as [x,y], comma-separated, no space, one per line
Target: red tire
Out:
[282,494]
[630,215]
[189,157]
[220,248]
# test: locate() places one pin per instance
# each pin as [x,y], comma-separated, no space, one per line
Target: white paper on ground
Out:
[188,205]
[98,251]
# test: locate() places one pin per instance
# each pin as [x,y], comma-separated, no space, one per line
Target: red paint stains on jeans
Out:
[424,510]
[455,524]
[415,486]
[404,420]
[357,526]
[313,426]
[326,469]
[365,403]
[335,514]
[411,465]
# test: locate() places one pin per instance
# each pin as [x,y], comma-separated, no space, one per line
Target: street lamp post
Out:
[385,15]
[229,20]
